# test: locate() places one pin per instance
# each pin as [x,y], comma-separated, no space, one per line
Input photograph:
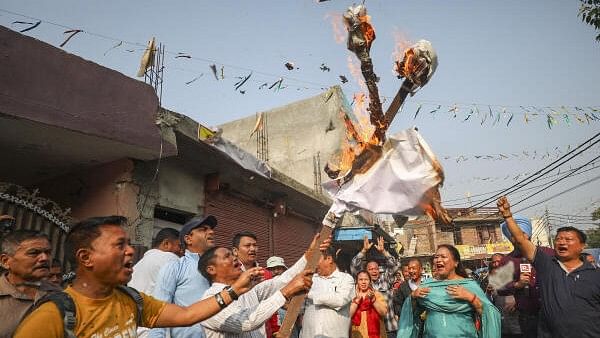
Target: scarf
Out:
[439,300]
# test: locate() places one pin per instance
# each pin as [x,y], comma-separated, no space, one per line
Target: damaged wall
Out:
[296,133]
[103,190]
[180,188]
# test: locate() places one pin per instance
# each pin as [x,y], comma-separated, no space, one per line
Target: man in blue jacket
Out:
[179,282]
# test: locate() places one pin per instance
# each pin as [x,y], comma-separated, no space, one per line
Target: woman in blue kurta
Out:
[451,304]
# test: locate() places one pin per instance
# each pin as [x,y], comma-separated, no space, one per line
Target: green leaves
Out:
[589,11]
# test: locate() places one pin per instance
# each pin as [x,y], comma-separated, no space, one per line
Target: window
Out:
[486,234]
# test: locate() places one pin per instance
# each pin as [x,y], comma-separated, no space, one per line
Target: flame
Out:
[354,68]
[339,32]
[403,55]
[367,29]
[359,137]
[401,44]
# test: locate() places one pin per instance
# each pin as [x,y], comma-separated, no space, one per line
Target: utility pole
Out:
[549,228]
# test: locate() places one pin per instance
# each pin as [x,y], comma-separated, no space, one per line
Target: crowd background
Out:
[185,286]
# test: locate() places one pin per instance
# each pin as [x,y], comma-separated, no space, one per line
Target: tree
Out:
[596,215]
[594,234]
[589,12]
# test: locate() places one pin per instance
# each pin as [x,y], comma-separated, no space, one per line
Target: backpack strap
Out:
[66,308]
[137,297]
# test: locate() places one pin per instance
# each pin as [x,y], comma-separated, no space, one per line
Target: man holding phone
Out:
[524,286]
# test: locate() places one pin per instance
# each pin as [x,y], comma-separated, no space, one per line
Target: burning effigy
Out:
[396,175]
[386,175]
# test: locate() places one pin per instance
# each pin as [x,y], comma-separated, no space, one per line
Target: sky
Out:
[493,55]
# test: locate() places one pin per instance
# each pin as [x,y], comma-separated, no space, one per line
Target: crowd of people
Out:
[186,286]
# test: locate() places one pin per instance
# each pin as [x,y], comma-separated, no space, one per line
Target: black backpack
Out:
[66,307]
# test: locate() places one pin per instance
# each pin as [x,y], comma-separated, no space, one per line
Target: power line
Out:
[541,172]
[571,216]
[559,194]
[555,182]
[522,190]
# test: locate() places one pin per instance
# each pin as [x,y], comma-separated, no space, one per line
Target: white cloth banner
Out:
[395,184]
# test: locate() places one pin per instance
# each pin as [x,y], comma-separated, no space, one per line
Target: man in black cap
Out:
[179,282]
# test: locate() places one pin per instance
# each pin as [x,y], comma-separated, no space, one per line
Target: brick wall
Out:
[469,235]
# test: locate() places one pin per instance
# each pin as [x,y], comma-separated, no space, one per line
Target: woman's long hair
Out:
[460,269]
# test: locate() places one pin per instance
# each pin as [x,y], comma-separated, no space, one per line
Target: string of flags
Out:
[499,115]
[484,114]
[513,177]
[550,154]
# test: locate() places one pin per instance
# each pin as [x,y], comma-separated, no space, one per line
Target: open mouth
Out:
[128,265]
[562,250]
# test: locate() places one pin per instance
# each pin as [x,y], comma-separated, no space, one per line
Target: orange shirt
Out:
[113,316]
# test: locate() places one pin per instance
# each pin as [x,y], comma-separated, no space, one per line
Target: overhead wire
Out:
[542,172]
[555,182]
[559,194]
[311,84]
[553,177]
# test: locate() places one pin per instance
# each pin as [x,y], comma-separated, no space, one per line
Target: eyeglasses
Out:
[7,225]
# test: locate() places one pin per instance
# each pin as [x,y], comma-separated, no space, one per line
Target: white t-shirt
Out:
[145,271]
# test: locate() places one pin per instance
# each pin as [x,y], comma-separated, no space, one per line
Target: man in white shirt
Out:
[246,316]
[327,311]
[165,248]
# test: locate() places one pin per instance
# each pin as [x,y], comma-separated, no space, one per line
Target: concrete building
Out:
[475,233]
[300,137]
[80,140]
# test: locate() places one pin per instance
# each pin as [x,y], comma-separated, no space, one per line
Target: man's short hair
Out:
[238,237]
[582,236]
[374,261]
[82,234]
[206,259]
[414,260]
[331,252]
[11,242]
[165,233]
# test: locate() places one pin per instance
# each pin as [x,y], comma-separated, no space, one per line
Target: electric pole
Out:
[549,228]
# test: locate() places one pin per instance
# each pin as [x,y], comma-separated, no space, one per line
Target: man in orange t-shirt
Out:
[99,249]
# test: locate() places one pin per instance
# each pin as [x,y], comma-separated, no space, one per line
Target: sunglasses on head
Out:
[7,224]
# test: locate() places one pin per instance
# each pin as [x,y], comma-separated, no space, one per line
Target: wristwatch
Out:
[231,292]
[220,300]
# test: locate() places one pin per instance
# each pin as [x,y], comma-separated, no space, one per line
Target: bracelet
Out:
[473,299]
[220,300]
[231,292]
[509,215]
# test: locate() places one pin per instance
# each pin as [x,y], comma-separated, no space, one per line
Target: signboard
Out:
[483,250]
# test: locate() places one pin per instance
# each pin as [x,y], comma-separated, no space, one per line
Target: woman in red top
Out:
[367,310]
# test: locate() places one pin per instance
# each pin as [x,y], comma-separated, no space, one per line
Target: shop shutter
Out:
[235,214]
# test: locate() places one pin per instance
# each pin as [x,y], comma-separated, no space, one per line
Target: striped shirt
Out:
[245,317]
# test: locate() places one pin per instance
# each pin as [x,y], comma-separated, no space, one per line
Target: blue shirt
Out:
[180,283]
[570,301]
